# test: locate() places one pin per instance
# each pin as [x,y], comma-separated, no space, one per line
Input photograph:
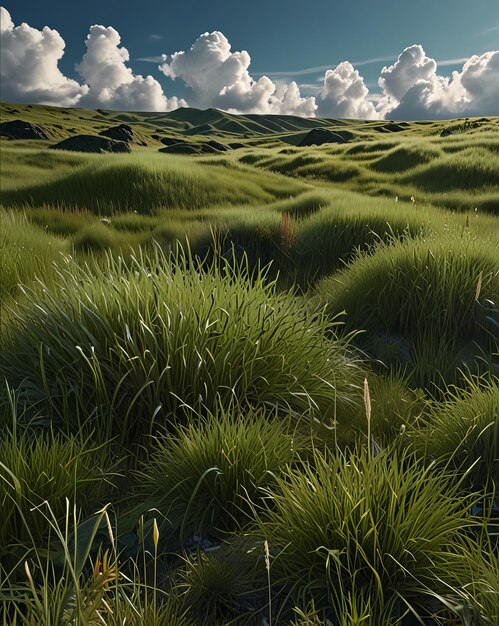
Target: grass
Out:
[413,166]
[134,343]
[343,526]
[49,468]
[346,223]
[152,182]
[422,296]
[25,251]
[203,477]
[465,430]
[474,168]
[225,586]
[193,433]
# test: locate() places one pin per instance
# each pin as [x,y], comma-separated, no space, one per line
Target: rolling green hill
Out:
[189,121]
[276,359]
[452,164]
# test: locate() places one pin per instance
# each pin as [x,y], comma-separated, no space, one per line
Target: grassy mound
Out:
[404,157]
[128,346]
[419,299]
[116,183]
[464,429]
[347,222]
[469,169]
[206,477]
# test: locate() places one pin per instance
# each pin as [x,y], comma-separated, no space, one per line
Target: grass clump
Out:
[472,168]
[384,529]
[26,251]
[127,344]
[397,409]
[226,586]
[405,157]
[464,430]
[421,296]
[333,235]
[207,475]
[45,468]
[96,238]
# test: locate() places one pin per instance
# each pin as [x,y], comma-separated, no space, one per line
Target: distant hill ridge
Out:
[196,126]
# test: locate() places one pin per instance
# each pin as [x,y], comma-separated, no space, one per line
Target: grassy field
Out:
[249,384]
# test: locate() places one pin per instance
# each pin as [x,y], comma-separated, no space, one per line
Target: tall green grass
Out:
[346,223]
[125,346]
[26,252]
[381,529]
[226,586]
[425,292]
[222,412]
[46,468]
[114,183]
[206,477]
[68,581]
[464,430]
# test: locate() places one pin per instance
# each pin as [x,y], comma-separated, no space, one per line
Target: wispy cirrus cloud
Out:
[322,68]
[447,62]
[156,59]
[489,31]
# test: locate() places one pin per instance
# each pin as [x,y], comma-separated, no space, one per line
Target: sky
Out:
[389,59]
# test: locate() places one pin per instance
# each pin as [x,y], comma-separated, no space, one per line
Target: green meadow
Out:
[247,381]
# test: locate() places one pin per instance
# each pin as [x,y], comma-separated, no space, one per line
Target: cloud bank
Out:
[29,71]
[216,76]
[414,90]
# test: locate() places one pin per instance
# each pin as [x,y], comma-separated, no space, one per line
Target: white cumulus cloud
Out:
[218,77]
[413,89]
[480,79]
[344,94]
[288,101]
[215,76]
[29,69]
[411,66]
[111,83]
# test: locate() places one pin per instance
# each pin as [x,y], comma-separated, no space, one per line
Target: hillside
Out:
[271,343]
[61,122]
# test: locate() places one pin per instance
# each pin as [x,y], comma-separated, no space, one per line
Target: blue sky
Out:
[283,37]
[280,35]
